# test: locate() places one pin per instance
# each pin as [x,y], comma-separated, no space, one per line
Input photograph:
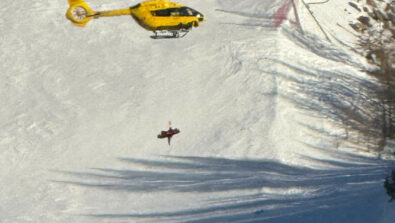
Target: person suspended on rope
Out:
[168,134]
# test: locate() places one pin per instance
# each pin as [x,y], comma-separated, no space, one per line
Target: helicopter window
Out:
[167,12]
[164,12]
[185,11]
[175,13]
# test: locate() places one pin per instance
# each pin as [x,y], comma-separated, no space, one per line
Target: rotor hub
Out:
[79,13]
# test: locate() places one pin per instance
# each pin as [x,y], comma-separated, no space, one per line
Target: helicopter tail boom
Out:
[79,13]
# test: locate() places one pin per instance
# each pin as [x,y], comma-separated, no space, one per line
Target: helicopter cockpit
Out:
[182,11]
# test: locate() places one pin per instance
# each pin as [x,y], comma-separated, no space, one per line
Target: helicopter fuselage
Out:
[154,15]
[164,15]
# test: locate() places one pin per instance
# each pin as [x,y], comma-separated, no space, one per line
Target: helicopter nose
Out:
[201,17]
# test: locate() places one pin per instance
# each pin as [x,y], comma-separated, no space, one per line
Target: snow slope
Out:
[81,109]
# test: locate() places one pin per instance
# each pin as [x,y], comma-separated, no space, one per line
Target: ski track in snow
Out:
[261,112]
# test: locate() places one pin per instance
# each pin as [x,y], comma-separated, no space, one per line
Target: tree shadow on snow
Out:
[341,185]
[355,103]
[361,105]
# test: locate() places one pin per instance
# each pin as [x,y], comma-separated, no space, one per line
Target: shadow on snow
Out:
[326,188]
[354,102]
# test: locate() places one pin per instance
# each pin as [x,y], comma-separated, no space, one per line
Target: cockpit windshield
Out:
[185,11]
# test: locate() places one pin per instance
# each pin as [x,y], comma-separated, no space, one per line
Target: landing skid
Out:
[170,34]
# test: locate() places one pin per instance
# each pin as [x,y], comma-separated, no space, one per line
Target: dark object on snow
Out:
[168,134]
[389,185]
[355,6]
[365,20]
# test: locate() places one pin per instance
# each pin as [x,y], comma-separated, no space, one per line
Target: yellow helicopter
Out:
[158,16]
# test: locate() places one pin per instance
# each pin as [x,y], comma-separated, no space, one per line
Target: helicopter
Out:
[159,16]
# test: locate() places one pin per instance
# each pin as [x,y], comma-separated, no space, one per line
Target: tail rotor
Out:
[79,13]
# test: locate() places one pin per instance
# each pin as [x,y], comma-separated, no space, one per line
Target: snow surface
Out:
[259,142]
